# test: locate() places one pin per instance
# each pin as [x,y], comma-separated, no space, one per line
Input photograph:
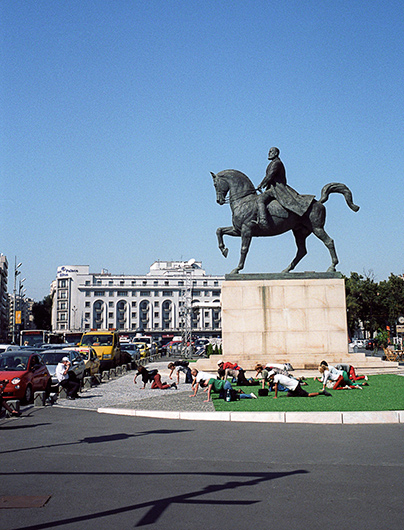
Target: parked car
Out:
[129,352]
[26,373]
[90,358]
[53,357]
[370,344]
[106,344]
[8,347]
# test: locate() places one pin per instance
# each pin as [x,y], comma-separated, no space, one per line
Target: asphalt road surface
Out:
[98,471]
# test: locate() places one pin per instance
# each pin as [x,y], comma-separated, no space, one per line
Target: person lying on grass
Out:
[218,386]
[278,370]
[293,386]
[339,378]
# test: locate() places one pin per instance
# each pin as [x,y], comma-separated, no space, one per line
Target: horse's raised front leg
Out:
[245,245]
[225,231]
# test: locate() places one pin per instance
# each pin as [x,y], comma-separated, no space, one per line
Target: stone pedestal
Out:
[296,318]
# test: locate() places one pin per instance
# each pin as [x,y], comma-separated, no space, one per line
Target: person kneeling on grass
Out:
[339,378]
[221,387]
[293,386]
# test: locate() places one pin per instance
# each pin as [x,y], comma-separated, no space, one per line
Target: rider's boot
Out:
[262,215]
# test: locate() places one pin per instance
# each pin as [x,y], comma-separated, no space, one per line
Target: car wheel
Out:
[28,395]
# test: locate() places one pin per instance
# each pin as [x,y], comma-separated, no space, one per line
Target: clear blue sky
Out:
[113,114]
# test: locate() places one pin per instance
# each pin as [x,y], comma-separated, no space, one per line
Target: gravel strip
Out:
[123,393]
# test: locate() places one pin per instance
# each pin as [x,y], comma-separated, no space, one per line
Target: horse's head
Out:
[221,187]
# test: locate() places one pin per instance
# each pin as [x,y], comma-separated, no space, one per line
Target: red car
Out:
[26,373]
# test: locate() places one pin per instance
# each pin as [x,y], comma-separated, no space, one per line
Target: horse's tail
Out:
[338,187]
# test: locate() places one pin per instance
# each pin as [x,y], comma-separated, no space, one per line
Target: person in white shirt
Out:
[293,386]
[199,376]
[62,373]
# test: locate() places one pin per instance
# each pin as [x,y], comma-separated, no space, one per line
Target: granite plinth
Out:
[289,318]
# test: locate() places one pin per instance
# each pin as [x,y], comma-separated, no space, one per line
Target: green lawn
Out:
[385,392]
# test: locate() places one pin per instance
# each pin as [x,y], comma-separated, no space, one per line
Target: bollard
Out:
[39,399]
[96,379]
[118,370]
[112,373]
[124,368]
[105,376]
[14,404]
[87,382]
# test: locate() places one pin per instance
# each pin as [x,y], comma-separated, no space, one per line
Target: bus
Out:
[37,337]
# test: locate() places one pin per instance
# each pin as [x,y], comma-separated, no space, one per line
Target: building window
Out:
[110,304]
[144,282]
[167,293]
[156,304]
[144,293]
[134,304]
[88,293]
[122,293]
[87,315]
[122,282]
[111,293]
[196,293]
[181,282]
[110,282]
[88,304]
[215,293]
[133,282]
[155,282]
[133,293]
[87,282]
[205,283]
[133,315]
[166,282]
[156,314]
[99,293]
[110,315]
[62,284]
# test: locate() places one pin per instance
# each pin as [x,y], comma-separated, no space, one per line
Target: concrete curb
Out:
[347,418]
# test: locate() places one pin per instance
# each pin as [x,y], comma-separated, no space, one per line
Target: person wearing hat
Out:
[71,386]
[292,385]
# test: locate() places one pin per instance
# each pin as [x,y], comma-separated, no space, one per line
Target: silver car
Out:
[53,357]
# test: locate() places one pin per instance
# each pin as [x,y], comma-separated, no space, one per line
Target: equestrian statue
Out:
[275,211]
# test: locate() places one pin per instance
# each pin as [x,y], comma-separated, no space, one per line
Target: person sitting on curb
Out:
[198,378]
[67,381]
[180,366]
[223,388]
[293,386]
[3,402]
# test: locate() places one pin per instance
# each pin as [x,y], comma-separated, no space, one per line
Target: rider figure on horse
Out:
[275,186]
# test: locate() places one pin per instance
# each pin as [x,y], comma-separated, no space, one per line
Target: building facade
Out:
[156,303]
[3,298]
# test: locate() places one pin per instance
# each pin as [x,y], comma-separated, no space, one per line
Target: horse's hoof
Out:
[286,270]
[234,271]
[331,269]
[225,251]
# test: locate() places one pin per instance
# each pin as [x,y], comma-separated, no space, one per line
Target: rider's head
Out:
[273,153]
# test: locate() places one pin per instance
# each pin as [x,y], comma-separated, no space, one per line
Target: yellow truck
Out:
[106,345]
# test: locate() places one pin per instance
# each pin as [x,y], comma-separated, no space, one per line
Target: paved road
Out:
[108,472]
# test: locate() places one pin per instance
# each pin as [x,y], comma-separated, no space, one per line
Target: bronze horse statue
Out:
[243,204]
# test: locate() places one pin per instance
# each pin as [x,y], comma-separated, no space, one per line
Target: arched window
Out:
[98,314]
[121,315]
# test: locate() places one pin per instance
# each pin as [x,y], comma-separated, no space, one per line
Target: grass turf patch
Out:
[385,392]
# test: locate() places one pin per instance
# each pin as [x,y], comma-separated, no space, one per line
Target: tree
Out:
[42,313]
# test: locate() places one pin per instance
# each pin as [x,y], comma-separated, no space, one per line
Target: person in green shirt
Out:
[219,386]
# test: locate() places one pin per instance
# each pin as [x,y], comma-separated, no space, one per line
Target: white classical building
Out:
[154,303]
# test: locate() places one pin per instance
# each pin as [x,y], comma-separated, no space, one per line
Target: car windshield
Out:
[53,357]
[128,347]
[96,340]
[13,361]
